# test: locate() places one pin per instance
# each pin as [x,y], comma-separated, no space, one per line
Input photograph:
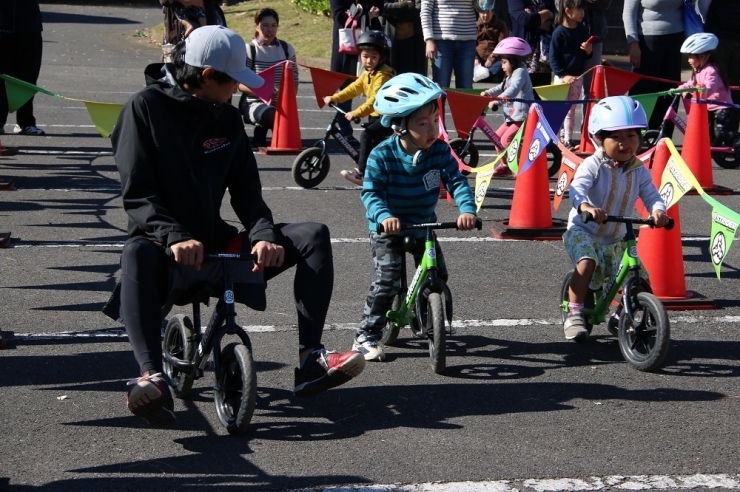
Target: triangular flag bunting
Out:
[555,92]
[103,115]
[267,91]
[465,109]
[20,92]
[619,82]
[568,167]
[325,83]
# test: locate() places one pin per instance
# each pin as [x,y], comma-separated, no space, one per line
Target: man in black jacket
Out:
[179,146]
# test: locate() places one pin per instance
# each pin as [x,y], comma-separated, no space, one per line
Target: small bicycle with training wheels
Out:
[467,151]
[425,304]
[186,351]
[312,165]
[643,329]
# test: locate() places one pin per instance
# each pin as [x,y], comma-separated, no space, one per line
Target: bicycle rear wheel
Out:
[727,160]
[391,329]
[589,303]
[178,343]
[235,393]
[435,330]
[470,156]
[644,340]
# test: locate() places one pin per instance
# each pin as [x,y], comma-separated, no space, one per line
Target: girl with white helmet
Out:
[401,186]
[607,183]
[709,75]
[512,52]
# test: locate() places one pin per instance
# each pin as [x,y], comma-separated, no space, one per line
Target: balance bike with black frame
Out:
[186,351]
[312,165]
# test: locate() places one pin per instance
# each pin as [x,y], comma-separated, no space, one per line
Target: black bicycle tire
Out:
[234,411]
[436,318]
[722,161]
[391,330]
[178,342]
[649,140]
[634,343]
[303,163]
[554,160]
[472,158]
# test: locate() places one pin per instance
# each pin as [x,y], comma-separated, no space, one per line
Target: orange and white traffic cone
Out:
[286,130]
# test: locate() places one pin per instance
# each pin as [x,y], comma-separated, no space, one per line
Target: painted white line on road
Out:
[65,152]
[456,325]
[612,482]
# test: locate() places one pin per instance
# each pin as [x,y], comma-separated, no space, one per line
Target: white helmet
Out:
[616,113]
[700,42]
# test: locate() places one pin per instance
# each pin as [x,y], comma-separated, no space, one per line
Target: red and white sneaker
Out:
[149,397]
[325,369]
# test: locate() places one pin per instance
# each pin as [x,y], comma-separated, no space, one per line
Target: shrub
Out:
[314,6]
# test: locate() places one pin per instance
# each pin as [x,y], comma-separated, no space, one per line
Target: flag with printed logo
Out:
[677,178]
[512,151]
[539,141]
[483,177]
[568,167]
[724,226]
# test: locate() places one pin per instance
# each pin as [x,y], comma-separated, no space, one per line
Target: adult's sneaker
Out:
[575,328]
[353,175]
[149,397]
[324,369]
[370,347]
[28,130]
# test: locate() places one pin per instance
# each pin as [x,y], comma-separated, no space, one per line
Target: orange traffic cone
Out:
[530,216]
[696,152]
[286,130]
[661,252]
[596,91]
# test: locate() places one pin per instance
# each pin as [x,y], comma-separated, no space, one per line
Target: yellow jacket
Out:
[368,83]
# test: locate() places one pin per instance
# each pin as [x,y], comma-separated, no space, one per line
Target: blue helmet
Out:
[404,94]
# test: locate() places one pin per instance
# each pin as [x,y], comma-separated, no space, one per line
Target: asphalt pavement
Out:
[519,408]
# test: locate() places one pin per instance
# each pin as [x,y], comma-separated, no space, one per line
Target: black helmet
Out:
[376,40]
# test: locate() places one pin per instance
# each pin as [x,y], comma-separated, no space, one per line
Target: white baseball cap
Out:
[224,51]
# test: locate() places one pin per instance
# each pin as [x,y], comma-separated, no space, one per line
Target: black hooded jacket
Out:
[177,155]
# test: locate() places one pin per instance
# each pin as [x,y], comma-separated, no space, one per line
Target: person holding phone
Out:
[596,21]
[569,49]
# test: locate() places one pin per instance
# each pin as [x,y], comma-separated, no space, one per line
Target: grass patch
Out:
[309,33]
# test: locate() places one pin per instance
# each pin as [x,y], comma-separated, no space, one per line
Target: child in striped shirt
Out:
[401,186]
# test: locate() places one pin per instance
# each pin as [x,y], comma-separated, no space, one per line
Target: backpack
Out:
[253,51]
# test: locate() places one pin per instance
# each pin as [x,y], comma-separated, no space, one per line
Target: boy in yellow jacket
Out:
[374,48]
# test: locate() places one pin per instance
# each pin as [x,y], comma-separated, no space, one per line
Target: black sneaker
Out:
[324,369]
[149,397]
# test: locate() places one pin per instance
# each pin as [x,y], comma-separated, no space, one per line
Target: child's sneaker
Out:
[353,175]
[369,347]
[28,130]
[325,369]
[149,397]
[575,328]
[501,170]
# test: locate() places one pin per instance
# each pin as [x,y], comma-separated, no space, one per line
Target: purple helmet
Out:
[513,47]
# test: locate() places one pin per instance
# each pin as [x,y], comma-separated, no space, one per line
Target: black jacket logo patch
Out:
[213,144]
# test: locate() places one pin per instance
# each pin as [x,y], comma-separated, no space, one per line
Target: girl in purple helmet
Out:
[512,52]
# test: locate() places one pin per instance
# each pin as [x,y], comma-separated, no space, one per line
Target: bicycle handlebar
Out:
[336,108]
[587,217]
[231,256]
[433,225]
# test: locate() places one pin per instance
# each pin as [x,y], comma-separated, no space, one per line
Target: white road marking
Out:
[612,482]
[457,325]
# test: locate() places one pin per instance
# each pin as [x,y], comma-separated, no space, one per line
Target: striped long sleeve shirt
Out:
[266,56]
[451,20]
[394,187]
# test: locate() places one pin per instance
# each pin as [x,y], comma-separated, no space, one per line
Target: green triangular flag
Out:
[20,92]
[648,102]
[724,226]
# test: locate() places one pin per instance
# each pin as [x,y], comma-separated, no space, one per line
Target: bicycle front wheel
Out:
[469,156]
[310,168]
[178,343]
[644,341]
[436,332]
[235,394]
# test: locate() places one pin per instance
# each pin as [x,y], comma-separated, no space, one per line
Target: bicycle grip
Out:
[586,217]
[670,224]
[478,223]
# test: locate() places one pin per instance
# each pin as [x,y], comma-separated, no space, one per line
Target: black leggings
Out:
[144,288]
[374,134]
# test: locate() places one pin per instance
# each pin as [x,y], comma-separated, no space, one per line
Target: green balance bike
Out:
[427,302]
[642,328]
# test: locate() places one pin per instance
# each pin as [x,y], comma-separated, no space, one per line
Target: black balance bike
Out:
[186,351]
[312,165]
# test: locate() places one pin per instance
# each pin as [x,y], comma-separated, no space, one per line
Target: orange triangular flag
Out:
[326,83]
